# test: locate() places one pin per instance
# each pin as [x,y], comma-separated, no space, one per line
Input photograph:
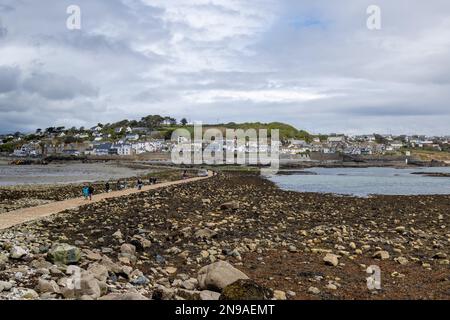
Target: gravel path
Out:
[13,218]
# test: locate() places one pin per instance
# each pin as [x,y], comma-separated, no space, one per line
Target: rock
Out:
[382,255]
[440,255]
[128,249]
[17,252]
[245,289]
[5,286]
[293,249]
[124,296]
[64,254]
[401,260]
[140,281]
[46,286]
[3,258]
[400,229]
[83,286]
[331,286]
[188,294]
[171,270]
[218,275]
[290,294]
[208,295]
[93,256]
[352,245]
[279,295]
[140,243]
[314,290]
[205,234]
[190,284]
[90,286]
[127,254]
[117,235]
[99,271]
[232,205]
[111,266]
[40,264]
[160,259]
[163,293]
[29,294]
[331,259]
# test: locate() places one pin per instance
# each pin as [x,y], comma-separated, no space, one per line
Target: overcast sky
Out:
[313,64]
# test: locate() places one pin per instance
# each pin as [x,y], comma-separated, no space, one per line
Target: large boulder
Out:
[83,286]
[64,254]
[47,286]
[218,275]
[245,290]
[99,271]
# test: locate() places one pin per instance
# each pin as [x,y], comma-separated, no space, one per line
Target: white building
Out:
[124,149]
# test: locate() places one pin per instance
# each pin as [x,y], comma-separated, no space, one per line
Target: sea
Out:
[364,182]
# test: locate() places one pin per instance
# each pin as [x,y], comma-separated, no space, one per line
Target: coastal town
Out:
[153,135]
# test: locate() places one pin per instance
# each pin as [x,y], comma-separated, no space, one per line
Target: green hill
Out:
[157,123]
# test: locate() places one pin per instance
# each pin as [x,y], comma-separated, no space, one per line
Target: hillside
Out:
[166,125]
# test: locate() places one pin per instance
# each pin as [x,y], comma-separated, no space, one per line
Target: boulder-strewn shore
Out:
[233,236]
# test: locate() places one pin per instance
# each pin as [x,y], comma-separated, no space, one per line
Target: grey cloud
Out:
[9,79]
[57,87]
[135,57]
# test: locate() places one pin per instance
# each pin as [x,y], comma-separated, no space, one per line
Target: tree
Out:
[152,121]
[183,122]
[171,121]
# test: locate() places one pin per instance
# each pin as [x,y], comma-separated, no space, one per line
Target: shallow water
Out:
[63,173]
[366,181]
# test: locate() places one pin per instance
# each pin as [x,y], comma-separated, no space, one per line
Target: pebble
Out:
[314,290]
[382,255]
[331,259]
[279,295]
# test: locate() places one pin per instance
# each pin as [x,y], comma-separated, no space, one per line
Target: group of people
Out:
[88,191]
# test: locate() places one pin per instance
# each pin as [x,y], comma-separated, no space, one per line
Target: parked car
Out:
[202,173]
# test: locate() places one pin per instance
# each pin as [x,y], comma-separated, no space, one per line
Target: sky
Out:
[313,64]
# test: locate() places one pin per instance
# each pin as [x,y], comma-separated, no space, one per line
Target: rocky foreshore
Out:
[24,196]
[233,236]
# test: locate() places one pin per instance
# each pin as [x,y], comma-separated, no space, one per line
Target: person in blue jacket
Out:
[85,192]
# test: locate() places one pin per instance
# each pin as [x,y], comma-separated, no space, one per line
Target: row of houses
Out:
[127,149]
[359,145]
